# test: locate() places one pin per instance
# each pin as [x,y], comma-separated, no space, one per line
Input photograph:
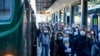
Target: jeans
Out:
[45,50]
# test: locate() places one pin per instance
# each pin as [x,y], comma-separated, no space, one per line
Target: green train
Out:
[17,28]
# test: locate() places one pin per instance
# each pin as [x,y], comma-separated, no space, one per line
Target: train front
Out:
[11,18]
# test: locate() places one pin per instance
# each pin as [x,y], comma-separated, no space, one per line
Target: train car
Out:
[13,33]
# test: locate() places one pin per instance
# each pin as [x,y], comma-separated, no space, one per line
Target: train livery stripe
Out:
[13,29]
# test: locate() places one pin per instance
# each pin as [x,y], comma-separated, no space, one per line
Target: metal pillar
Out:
[53,18]
[59,16]
[56,17]
[64,16]
[84,12]
[71,16]
[68,19]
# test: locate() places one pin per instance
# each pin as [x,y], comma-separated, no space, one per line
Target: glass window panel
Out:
[5,9]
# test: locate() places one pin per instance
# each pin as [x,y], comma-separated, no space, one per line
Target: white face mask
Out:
[92,32]
[60,38]
[67,45]
[78,26]
[65,28]
[75,33]
[45,31]
[69,28]
[66,39]
[76,29]
[67,32]
[70,32]
[82,33]
[89,36]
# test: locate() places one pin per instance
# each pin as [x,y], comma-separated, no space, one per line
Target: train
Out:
[17,28]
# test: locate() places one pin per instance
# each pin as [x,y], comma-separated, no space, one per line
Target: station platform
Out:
[22,22]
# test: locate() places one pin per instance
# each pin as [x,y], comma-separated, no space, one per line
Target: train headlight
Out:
[8,54]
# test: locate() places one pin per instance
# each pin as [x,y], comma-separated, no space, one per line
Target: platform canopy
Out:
[61,4]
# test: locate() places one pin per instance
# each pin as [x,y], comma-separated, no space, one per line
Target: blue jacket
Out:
[45,39]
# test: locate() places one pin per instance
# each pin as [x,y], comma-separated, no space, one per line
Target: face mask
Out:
[76,29]
[78,26]
[92,32]
[82,33]
[75,33]
[65,28]
[66,39]
[67,32]
[70,32]
[67,45]
[60,38]
[69,28]
[45,31]
[73,25]
[89,36]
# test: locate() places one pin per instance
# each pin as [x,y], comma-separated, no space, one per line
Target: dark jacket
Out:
[73,44]
[61,50]
[52,44]
[82,46]
[44,38]
[96,49]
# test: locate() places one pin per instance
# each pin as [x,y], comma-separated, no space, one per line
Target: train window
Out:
[5,10]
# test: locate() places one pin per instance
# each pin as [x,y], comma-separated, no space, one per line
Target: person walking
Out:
[45,41]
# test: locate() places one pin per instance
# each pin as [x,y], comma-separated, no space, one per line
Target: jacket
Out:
[82,46]
[96,49]
[45,38]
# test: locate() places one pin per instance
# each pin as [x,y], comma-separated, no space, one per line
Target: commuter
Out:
[74,28]
[93,35]
[89,36]
[45,41]
[65,29]
[52,44]
[67,40]
[74,36]
[78,26]
[82,44]
[96,47]
[76,33]
[71,39]
[59,40]
[64,48]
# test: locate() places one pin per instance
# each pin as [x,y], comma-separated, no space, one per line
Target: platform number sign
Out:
[95,23]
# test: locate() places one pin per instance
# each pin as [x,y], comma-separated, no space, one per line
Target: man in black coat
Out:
[96,47]
[82,44]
